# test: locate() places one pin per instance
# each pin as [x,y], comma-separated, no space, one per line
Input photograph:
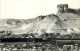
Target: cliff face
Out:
[70,18]
[70,22]
[65,21]
[48,24]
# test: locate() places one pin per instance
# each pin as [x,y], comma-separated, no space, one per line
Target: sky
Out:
[26,9]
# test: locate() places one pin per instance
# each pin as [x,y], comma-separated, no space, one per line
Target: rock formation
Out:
[65,21]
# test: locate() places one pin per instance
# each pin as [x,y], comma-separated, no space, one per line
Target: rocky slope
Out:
[40,24]
[63,22]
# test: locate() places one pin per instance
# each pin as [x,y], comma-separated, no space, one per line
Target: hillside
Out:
[64,22]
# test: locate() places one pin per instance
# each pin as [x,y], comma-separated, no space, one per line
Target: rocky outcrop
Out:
[70,18]
[65,21]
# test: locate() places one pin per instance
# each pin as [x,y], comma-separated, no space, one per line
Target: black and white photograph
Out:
[39,25]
